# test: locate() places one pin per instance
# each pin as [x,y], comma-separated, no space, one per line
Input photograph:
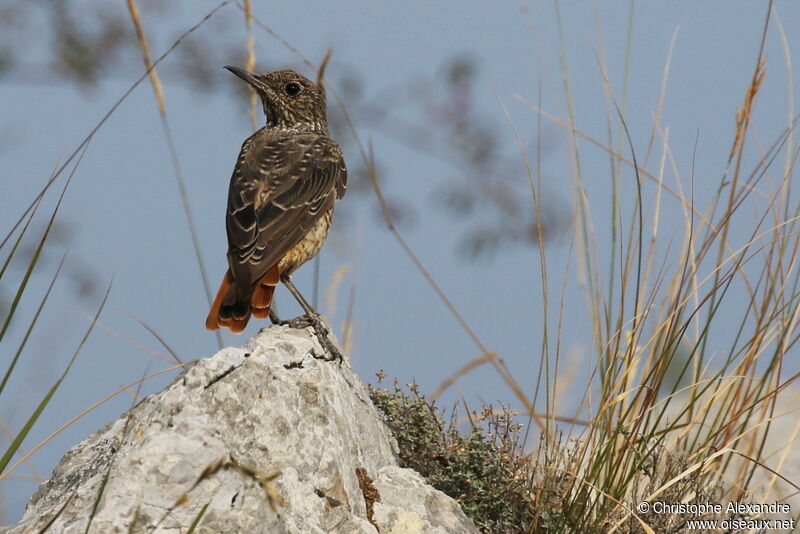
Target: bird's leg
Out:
[311,319]
[298,322]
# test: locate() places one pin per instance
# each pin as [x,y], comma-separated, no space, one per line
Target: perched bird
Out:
[280,198]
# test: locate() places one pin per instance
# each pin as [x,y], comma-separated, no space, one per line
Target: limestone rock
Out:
[266,438]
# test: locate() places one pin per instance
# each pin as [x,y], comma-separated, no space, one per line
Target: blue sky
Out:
[124,210]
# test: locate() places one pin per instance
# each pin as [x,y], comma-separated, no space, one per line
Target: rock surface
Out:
[264,438]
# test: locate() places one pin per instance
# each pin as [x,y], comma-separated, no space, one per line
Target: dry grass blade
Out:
[58,513]
[702,464]
[619,157]
[229,463]
[347,326]
[619,503]
[35,474]
[463,370]
[173,152]
[661,98]
[277,37]
[157,336]
[743,113]
[250,64]
[148,63]
[765,467]
[537,207]
[322,66]
[333,288]
[496,362]
[128,341]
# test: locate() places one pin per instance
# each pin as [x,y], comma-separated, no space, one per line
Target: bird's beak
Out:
[248,77]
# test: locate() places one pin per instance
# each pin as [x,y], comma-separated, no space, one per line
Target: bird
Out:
[280,203]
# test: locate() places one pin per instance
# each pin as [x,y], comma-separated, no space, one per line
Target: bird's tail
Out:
[228,312]
[261,301]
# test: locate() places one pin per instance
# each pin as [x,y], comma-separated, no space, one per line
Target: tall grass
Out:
[676,388]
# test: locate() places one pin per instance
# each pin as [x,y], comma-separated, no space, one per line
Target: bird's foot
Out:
[331,351]
[333,355]
[304,321]
[300,322]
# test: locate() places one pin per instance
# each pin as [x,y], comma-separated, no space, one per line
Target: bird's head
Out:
[290,101]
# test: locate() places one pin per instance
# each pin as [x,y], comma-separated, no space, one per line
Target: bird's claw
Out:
[333,356]
[304,321]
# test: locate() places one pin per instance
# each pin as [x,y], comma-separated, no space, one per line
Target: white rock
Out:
[270,407]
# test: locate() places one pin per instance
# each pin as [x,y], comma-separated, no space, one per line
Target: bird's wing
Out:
[278,190]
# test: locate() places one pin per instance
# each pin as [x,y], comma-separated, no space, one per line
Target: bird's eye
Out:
[292,88]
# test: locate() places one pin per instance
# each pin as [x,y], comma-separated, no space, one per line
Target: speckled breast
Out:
[308,247]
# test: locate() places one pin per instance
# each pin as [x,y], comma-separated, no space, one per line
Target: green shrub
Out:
[483,468]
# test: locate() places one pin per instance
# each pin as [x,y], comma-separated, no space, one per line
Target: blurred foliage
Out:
[488,188]
[89,41]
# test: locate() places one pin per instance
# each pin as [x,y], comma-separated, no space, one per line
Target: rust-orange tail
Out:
[223,310]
